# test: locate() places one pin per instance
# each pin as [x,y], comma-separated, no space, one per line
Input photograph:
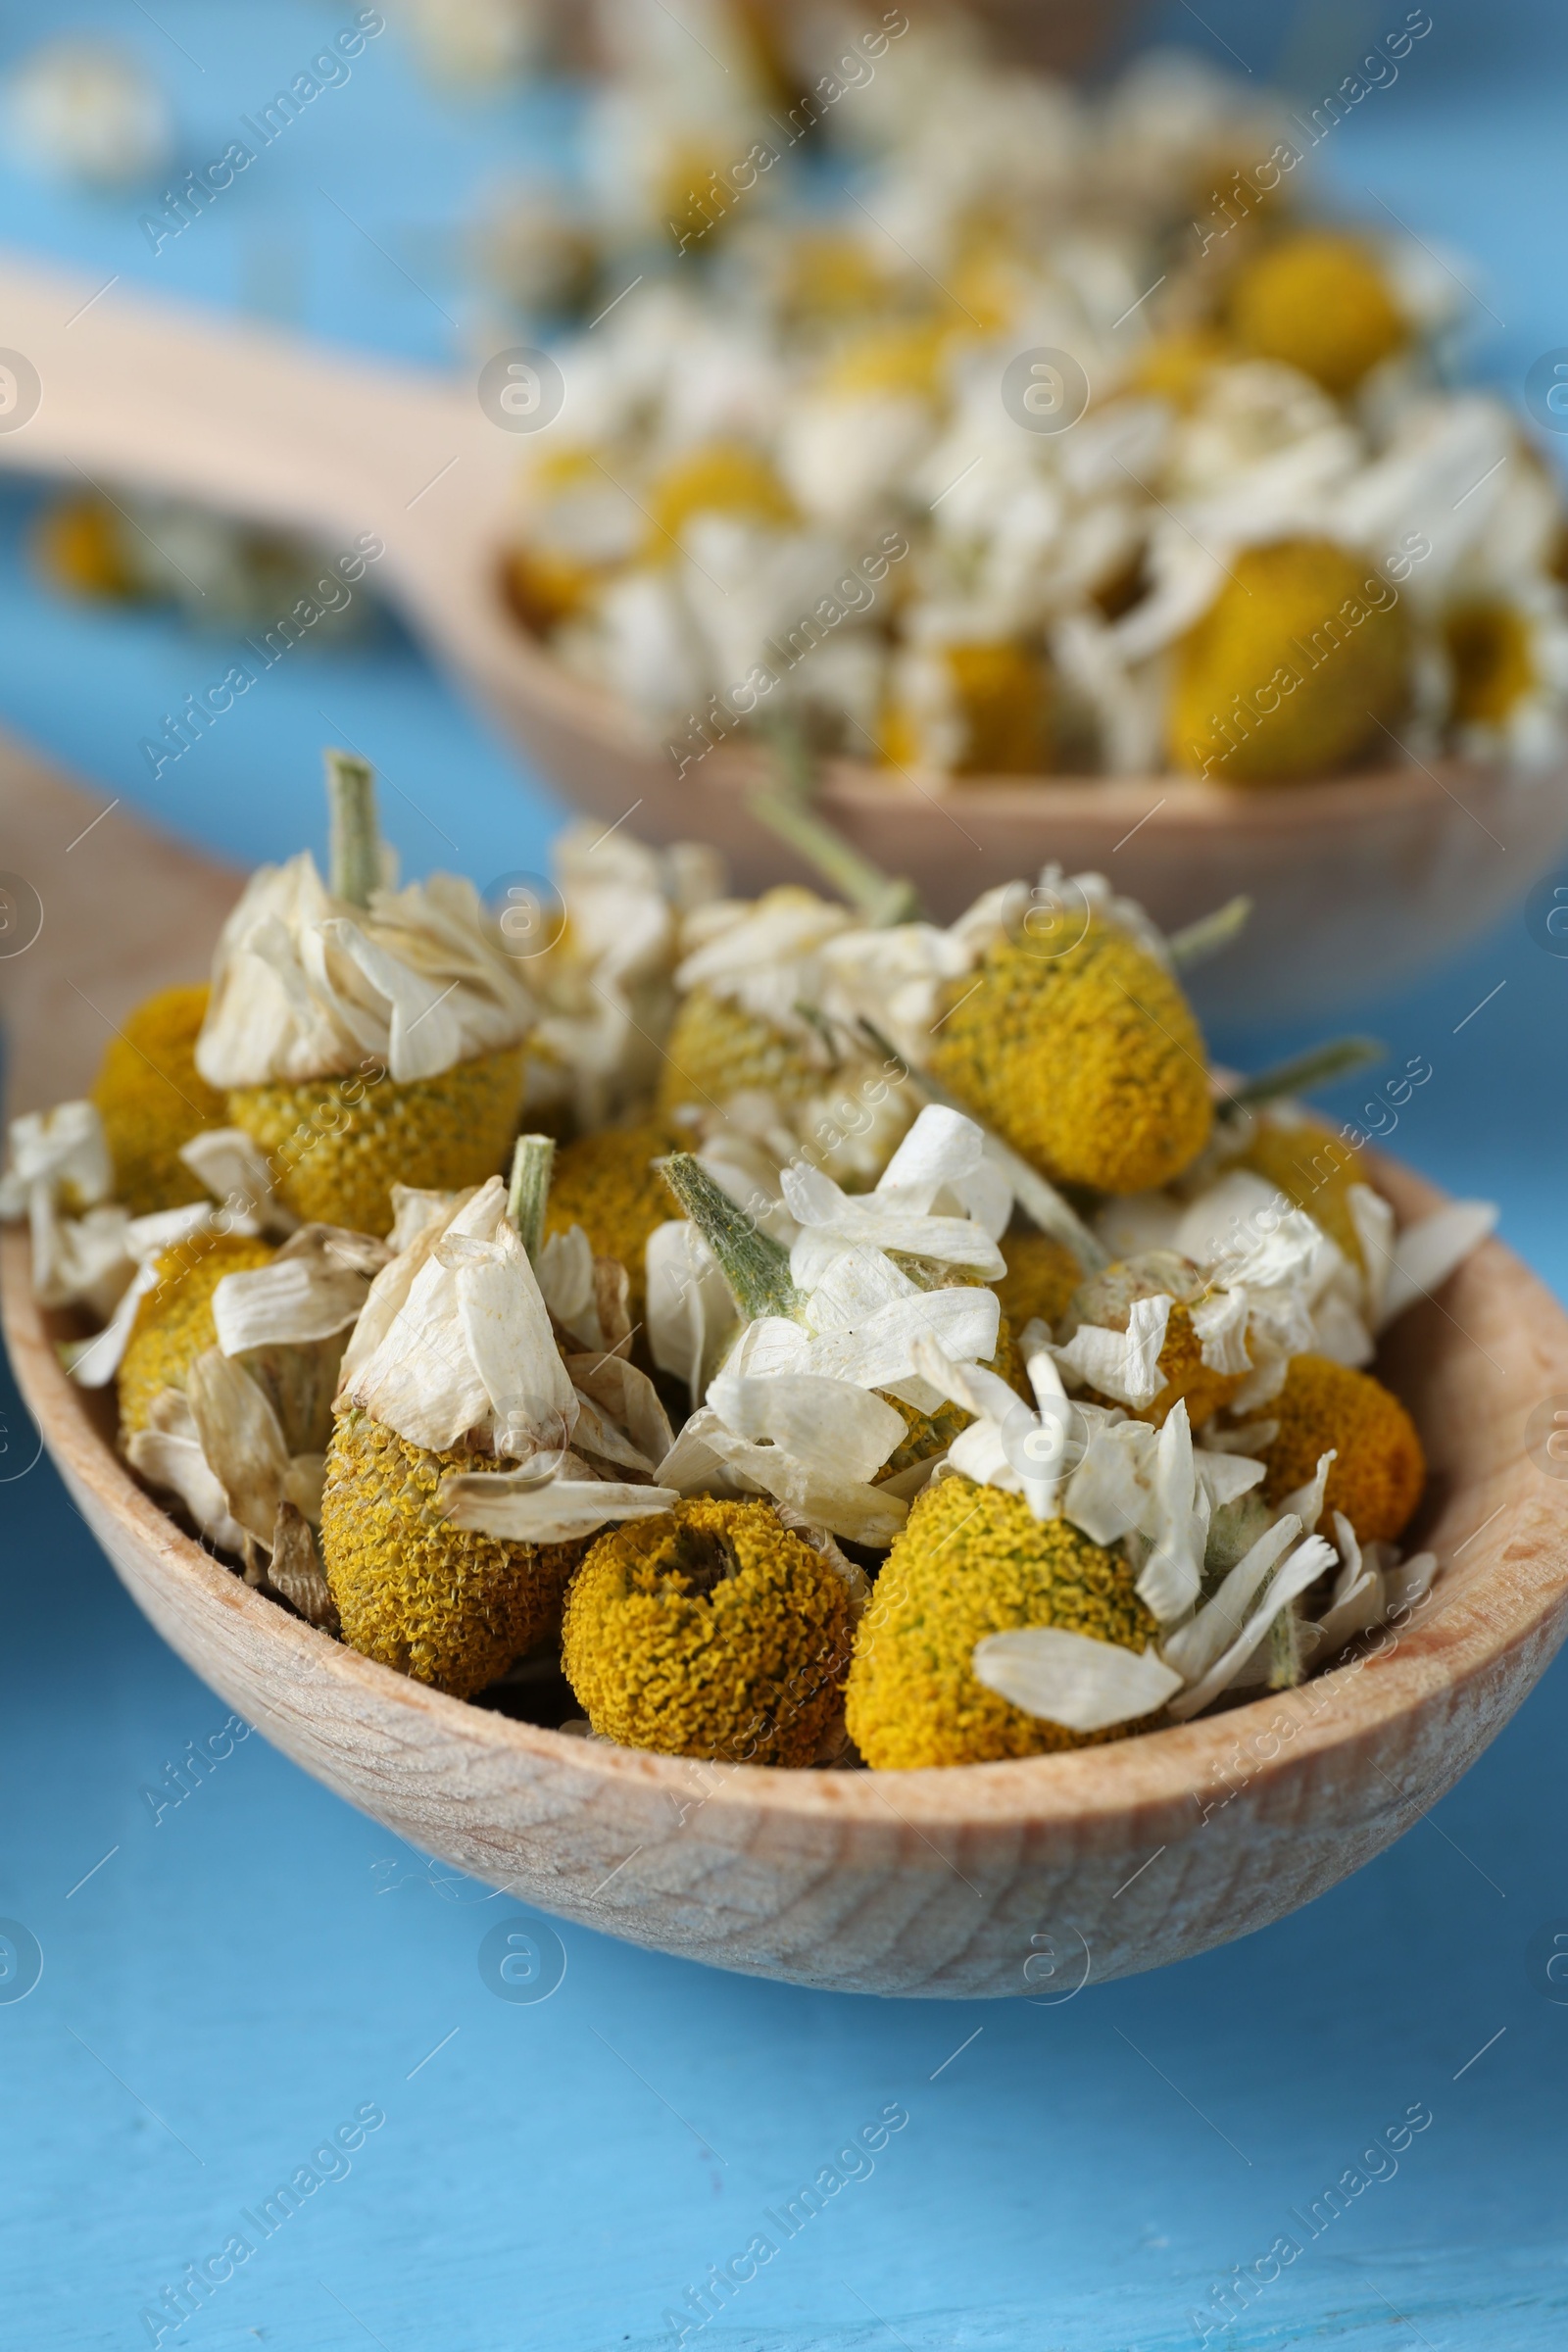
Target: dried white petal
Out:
[469,1354]
[1372,1218]
[515,1509]
[708,1457]
[242,1440]
[1124,1364]
[1427,1253]
[832,1426]
[419,1220]
[1220,1324]
[307,987]
[1171,1576]
[306,1292]
[1073,1679]
[1195,1646]
[881,1351]
[691,1309]
[629,1397]
[1303,1567]
[565,1271]
[1307,1502]
[237,1172]
[59,1148]
[167,1453]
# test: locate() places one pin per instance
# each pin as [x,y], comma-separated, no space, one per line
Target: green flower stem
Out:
[356,859]
[788,808]
[1318,1066]
[528,1195]
[1209,934]
[755,1265]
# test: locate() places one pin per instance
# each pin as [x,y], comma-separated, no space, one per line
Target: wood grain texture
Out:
[988,1879]
[1357,882]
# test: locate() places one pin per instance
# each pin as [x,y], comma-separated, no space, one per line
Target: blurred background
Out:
[234,1978]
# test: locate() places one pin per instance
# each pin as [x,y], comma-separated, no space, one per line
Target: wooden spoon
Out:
[1028,1877]
[1356,882]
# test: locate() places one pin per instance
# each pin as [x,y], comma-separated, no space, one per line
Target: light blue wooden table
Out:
[229,1979]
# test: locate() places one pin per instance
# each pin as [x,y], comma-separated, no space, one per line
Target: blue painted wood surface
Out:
[230,1978]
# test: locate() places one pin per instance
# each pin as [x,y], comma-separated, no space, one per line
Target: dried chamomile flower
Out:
[710,1630]
[1321,302]
[364,1036]
[971,1563]
[462,1397]
[1298,668]
[1379,1467]
[152,1099]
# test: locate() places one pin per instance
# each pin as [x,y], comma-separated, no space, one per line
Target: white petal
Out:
[772,1344]
[691,1309]
[55,1147]
[419,1221]
[940,1148]
[1111,1494]
[1226,1475]
[1172,1575]
[1427,1253]
[524,1510]
[1307,1502]
[1195,1646]
[834,1426]
[1073,1679]
[83,1261]
[297,1298]
[506,1327]
[1303,1567]
[1220,1323]
[242,1440]
[629,1397]
[880,1352]
[566,1277]
[234,1169]
[177,1461]
[1123,1364]
[1373,1220]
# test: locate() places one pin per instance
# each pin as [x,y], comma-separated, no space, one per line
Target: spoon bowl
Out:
[1027,1878]
[1357,882]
